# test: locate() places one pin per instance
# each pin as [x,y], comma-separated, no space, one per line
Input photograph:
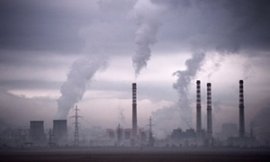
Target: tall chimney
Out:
[198,107]
[134,109]
[209,110]
[241,109]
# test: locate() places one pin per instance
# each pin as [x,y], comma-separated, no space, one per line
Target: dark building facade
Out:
[37,135]
[60,131]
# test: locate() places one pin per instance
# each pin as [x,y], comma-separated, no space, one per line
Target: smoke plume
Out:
[165,120]
[182,85]
[169,118]
[72,90]
[147,16]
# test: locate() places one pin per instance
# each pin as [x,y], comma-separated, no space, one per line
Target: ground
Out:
[134,155]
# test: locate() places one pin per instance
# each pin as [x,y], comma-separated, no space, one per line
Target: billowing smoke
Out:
[147,14]
[147,18]
[224,26]
[165,120]
[179,114]
[73,89]
[182,85]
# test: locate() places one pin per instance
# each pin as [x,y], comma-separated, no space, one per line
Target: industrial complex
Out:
[137,136]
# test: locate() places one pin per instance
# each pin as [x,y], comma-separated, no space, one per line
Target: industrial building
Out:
[136,136]
[205,137]
[36,132]
[60,132]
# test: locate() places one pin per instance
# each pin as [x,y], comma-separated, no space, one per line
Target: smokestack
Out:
[209,110]
[241,109]
[198,107]
[134,109]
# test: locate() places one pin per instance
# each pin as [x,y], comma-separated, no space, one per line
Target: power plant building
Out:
[60,131]
[37,135]
[136,136]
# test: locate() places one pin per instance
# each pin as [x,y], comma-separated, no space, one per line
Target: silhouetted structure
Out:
[60,131]
[241,110]
[198,107]
[150,137]
[36,133]
[209,111]
[134,109]
[76,127]
[51,142]
[119,134]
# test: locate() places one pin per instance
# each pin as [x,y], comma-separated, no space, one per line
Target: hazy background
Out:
[41,40]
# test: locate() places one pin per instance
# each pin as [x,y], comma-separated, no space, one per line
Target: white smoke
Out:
[179,114]
[73,89]
[165,120]
[182,85]
[147,16]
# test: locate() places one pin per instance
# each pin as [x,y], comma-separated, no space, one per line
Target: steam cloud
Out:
[147,18]
[169,118]
[72,90]
[184,78]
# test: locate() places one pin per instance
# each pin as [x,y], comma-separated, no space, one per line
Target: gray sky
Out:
[40,40]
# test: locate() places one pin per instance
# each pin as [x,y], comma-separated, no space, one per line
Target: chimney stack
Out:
[209,110]
[198,107]
[241,109]
[134,109]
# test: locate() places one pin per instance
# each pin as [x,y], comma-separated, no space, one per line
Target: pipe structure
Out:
[198,107]
[209,111]
[241,109]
